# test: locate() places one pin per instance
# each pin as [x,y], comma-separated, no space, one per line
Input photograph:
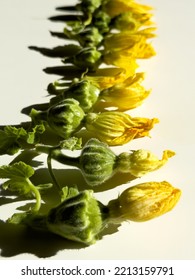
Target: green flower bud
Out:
[83,91]
[89,6]
[64,118]
[101,20]
[78,218]
[126,21]
[90,36]
[87,37]
[88,58]
[97,162]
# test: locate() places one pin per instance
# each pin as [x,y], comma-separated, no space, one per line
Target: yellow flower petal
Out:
[107,77]
[124,96]
[144,201]
[141,162]
[117,128]
[116,7]
[132,21]
[123,57]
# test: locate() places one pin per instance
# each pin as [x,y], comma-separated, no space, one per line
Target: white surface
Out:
[170,75]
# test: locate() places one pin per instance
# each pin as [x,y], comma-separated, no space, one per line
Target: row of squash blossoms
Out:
[90,104]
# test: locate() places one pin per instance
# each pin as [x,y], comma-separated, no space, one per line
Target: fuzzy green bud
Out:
[90,36]
[87,58]
[83,91]
[101,20]
[89,6]
[78,218]
[63,118]
[97,162]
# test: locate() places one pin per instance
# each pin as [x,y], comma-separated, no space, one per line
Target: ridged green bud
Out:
[83,91]
[64,118]
[90,36]
[101,20]
[89,6]
[79,218]
[97,162]
[88,58]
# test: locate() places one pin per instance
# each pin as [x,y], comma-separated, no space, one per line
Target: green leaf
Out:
[17,175]
[17,218]
[33,136]
[18,169]
[9,139]
[13,139]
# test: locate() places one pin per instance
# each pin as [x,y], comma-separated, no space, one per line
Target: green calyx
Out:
[64,118]
[88,58]
[89,6]
[97,162]
[90,37]
[101,20]
[77,218]
[84,92]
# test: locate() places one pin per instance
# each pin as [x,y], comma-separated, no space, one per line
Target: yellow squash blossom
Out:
[124,96]
[126,40]
[144,201]
[141,162]
[127,48]
[107,77]
[117,128]
[116,7]
[121,59]
[132,22]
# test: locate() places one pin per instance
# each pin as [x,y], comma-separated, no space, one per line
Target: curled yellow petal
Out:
[107,77]
[141,162]
[124,96]
[125,40]
[145,201]
[117,128]
[116,7]
[121,60]
[132,21]
[123,57]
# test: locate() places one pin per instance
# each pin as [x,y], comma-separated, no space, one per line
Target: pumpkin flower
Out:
[81,217]
[122,47]
[106,77]
[126,95]
[141,162]
[132,22]
[126,40]
[116,7]
[144,202]
[117,128]
[121,59]
[98,163]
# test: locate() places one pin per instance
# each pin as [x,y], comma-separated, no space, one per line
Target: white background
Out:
[170,75]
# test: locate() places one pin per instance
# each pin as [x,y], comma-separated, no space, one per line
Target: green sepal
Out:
[78,218]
